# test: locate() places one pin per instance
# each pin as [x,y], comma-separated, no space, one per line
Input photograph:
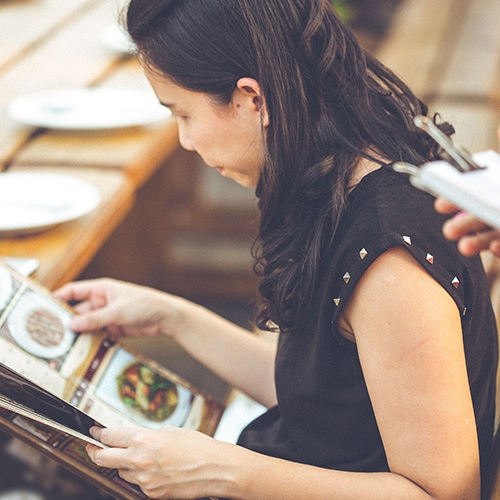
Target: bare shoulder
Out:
[396,289]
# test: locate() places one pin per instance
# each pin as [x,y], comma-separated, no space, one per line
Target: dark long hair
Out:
[329,102]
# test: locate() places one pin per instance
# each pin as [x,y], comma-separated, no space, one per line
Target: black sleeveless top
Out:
[324,416]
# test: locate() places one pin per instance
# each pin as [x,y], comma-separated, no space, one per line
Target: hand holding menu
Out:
[55,384]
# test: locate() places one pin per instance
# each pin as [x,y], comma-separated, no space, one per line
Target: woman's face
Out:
[228,138]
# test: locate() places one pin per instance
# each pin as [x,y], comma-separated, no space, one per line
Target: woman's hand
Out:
[122,309]
[168,463]
[472,234]
[244,360]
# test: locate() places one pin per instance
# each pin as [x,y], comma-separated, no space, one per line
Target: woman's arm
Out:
[239,357]
[177,463]
[243,359]
[409,338]
[408,333]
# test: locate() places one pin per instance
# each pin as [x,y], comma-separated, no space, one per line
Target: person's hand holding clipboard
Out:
[467,185]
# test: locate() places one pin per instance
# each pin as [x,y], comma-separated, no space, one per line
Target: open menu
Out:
[55,384]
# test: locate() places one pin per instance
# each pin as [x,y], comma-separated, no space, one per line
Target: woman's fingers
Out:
[128,475]
[110,458]
[93,320]
[473,234]
[115,437]
[495,246]
[83,307]
[76,291]
[118,439]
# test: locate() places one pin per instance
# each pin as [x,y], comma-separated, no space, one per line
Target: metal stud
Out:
[363,253]
[347,277]
[337,301]
[464,311]
[429,258]
[407,240]
[455,282]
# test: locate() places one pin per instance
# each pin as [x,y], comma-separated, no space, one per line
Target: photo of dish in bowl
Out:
[40,327]
[45,328]
[147,392]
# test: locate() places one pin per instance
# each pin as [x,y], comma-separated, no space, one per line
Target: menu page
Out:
[35,339]
[113,385]
[55,384]
[124,389]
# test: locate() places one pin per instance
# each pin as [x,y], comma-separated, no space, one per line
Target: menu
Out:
[55,384]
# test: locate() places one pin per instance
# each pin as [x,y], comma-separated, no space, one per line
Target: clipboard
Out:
[471,182]
[477,192]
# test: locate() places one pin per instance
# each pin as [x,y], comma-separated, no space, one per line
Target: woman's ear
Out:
[249,89]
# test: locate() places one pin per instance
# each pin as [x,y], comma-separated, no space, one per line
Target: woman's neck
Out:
[364,167]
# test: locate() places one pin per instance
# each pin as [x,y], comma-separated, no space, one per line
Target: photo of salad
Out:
[131,389]
[147,392]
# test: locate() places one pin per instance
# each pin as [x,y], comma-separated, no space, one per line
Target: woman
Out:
[382,383]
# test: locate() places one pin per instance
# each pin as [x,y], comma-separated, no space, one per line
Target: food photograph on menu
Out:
[144,395]
[40,327]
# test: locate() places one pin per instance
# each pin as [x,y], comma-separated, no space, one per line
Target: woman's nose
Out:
[185,140]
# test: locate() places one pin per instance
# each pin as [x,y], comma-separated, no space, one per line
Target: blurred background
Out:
[187,230]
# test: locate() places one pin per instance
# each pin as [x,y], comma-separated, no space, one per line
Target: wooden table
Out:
[50,44]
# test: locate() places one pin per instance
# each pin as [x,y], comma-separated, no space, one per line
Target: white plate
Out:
[88,109]
[17,327]
[32,202]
